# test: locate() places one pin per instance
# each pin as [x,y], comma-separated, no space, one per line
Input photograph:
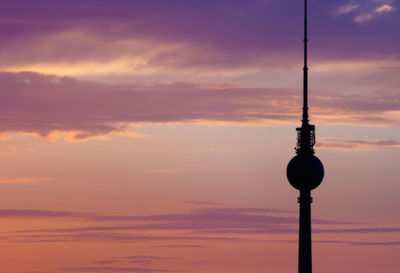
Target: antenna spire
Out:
[305,133]
[305,69]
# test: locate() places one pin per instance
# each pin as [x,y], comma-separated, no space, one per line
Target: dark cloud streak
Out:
[112,269]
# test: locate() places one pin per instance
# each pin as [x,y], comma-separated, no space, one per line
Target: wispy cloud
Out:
[202,203]
[137,259]
[112,237]
[30,213]
[356,144]
[42,107]
[112,269]
[384,8]
[183,246]
[23,180]
[368,10]
[346,9]
[148,263]
[359,243]
[106,261]
[195,229]
[359,230]
[351,243]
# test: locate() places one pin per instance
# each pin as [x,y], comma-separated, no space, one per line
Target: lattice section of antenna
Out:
[305,139]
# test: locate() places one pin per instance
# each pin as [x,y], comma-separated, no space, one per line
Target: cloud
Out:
[365,10]
[23,180]
[205,220]
[358,230]
[110,237]
[351,243]
[111,269]
[53,107]
[294,230]
[144,37]
[195,229]
[384,9]
[30,213]
[138,259]
[346,9]
[208,218]
[198,219]
[147,257]
[356,144]
[359,243]
[119,264]
[202,203]
[106,261]
[183,246]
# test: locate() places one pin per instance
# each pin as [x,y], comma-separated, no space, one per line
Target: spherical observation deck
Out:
[305,172]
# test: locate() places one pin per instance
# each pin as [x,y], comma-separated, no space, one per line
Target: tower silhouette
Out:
[305,171]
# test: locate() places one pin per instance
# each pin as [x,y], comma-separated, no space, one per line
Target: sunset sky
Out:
[154,135]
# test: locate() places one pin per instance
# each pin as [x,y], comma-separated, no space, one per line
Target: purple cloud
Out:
[350,243]
[197,225]
[294,230]
[358,230]
[108,236]
[231,28]
[199,219]
[147,257]
[50,106]
[356,144]
[137,259]
[28,213]
[359,243]
[188,230]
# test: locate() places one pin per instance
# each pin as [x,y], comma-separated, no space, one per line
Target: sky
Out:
[153,136]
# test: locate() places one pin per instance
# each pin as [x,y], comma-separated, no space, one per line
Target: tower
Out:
[305,171]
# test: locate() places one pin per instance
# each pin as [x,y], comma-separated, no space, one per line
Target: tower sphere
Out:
[305,172]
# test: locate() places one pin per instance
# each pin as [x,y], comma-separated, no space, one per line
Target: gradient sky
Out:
[153,135]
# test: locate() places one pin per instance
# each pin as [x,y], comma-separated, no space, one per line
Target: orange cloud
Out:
[23,180]
[79,136]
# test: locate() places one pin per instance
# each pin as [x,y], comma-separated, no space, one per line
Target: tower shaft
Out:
[305,261]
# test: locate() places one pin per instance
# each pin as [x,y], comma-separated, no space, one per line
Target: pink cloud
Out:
[54,107]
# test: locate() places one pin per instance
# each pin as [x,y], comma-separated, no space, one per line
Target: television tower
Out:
[305,171]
